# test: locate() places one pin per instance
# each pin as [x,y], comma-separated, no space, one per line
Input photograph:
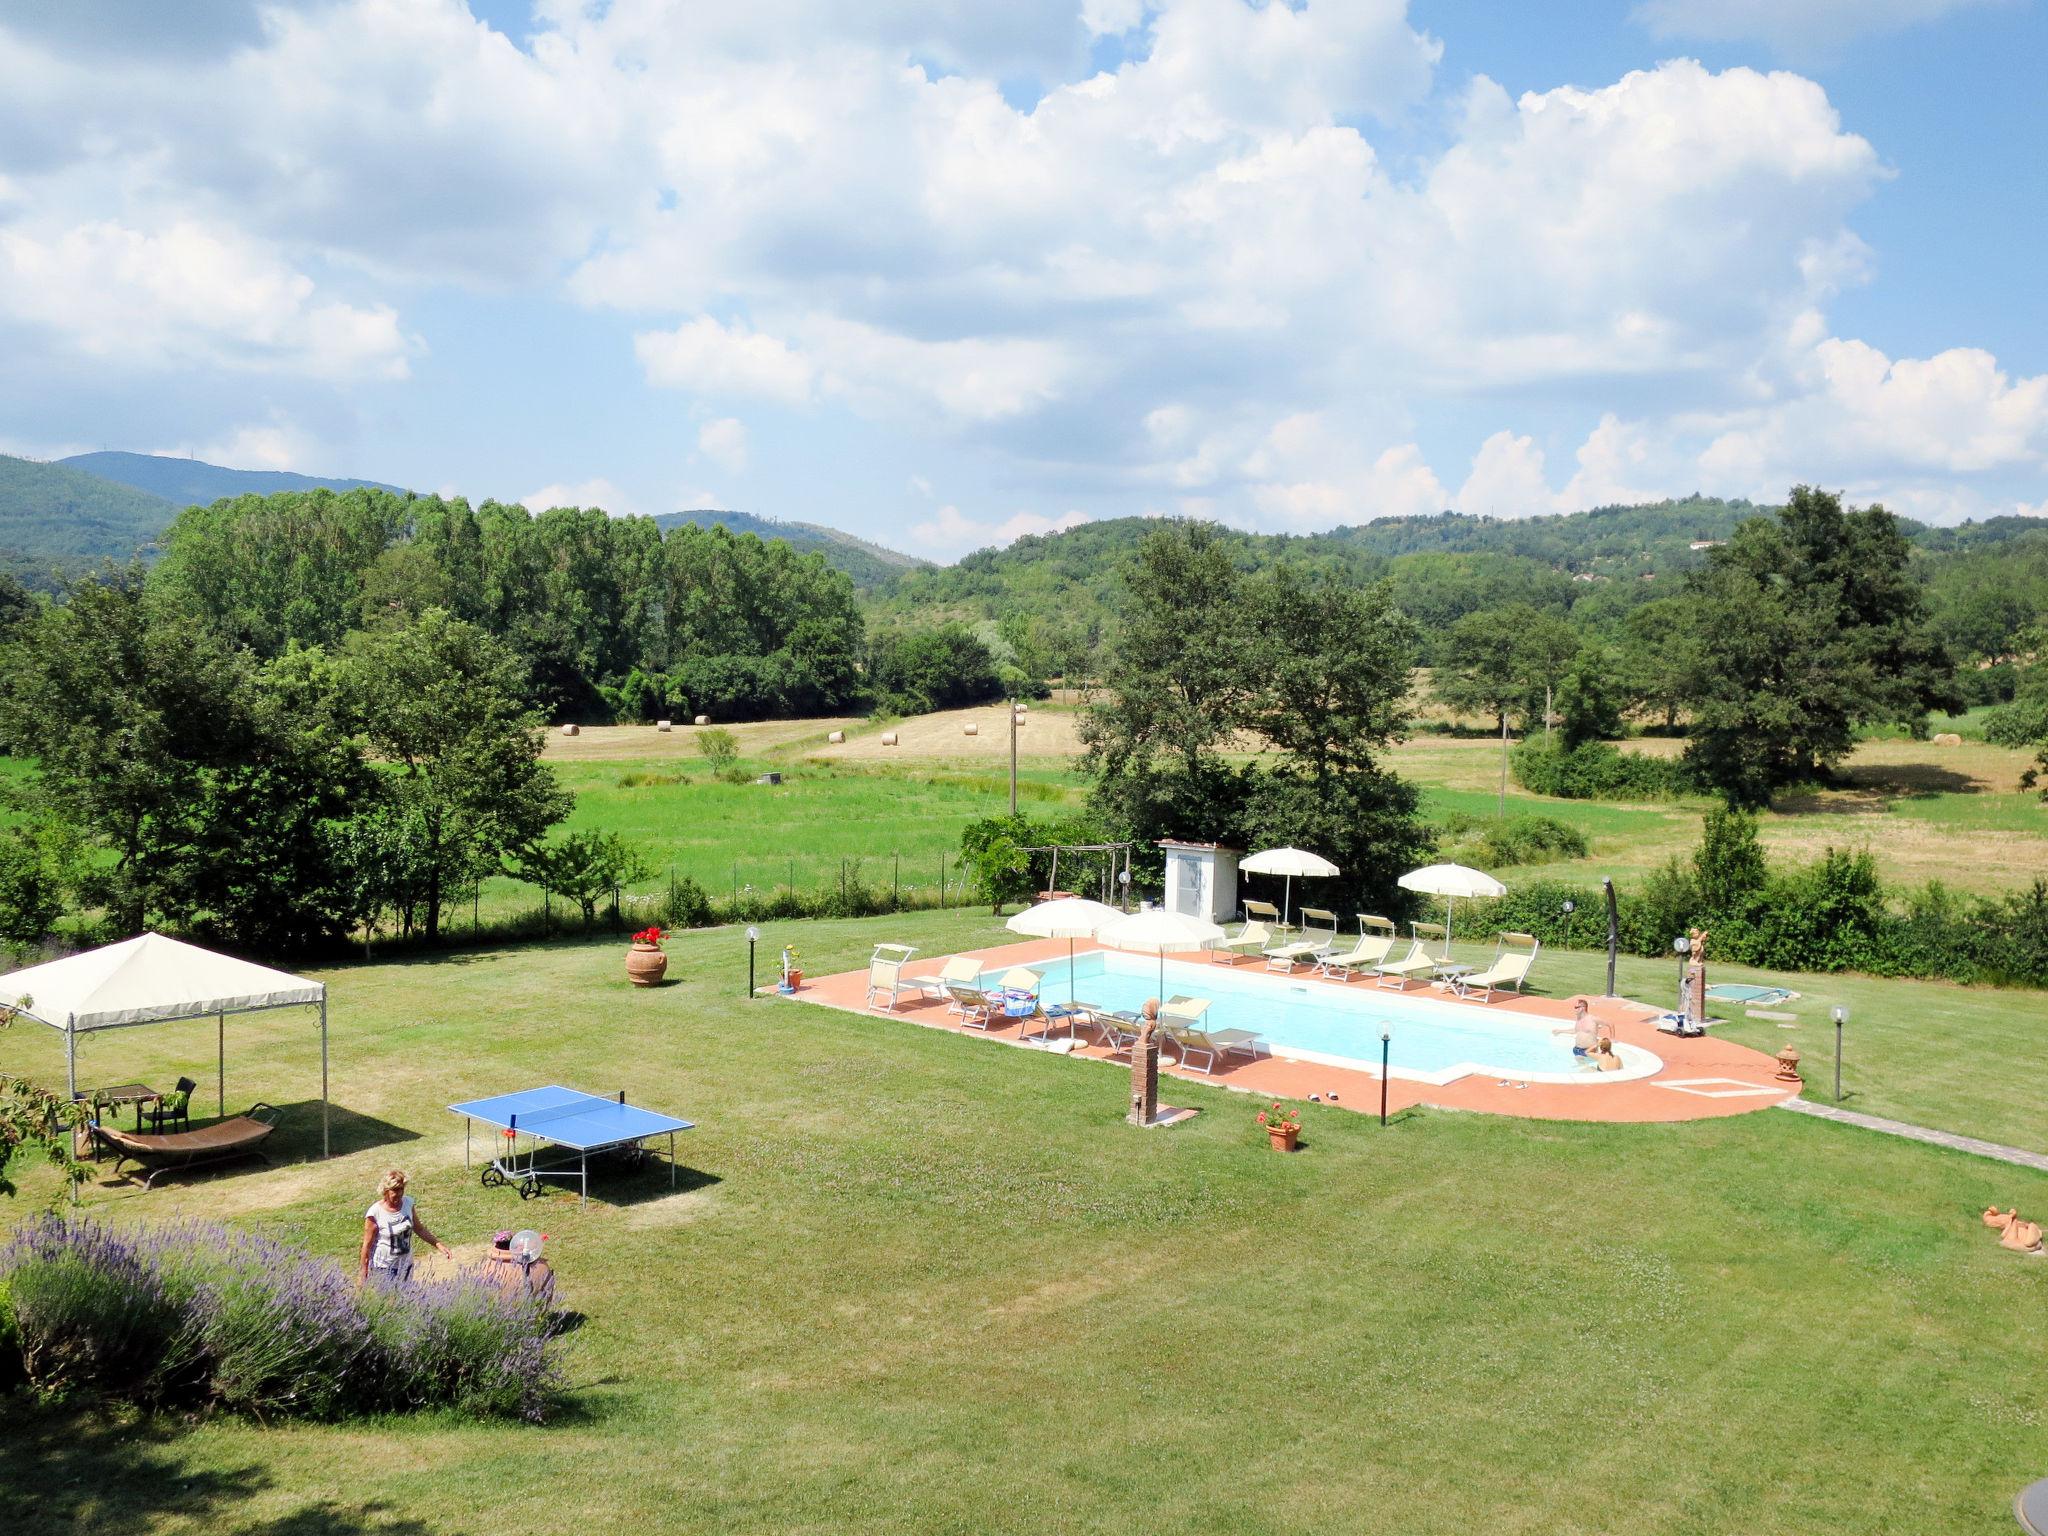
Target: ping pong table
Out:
[581,1123]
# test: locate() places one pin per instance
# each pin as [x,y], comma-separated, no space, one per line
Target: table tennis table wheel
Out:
[528,1188]
[493,1176]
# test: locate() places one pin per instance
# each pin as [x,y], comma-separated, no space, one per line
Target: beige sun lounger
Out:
[885,974]
[958,971]
[1512,960]
[971,1005]
[1180,1022]
[1376,936]
[1418,961]
[1318,937]
[1261,928]
[176,1151]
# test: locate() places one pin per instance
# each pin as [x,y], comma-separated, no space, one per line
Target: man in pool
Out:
[1583,1031]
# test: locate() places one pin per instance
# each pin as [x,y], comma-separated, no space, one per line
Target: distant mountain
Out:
[871,566]
[192,482]
[55,520]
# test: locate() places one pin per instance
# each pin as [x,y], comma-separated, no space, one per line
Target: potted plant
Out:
[1282,1129]
[646,961]
[792,970]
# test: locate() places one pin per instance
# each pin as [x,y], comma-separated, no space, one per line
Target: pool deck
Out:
[1700,1079]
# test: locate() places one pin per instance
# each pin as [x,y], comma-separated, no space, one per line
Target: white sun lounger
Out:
[1418,961]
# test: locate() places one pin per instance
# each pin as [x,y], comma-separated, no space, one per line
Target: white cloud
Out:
[716,360]
[1506,479]
[187,295]
[724,442]
[274,444]
[949,533]
[1308,472]
[1790,26]
[598,492]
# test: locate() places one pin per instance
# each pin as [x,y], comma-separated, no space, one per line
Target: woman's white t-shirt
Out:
[394,1234]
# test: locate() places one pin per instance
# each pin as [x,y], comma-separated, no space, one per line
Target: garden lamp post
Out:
[1570,907]
[1841,1018]
[1386,1045]
[1683,946]
[1613,931]
[753,938]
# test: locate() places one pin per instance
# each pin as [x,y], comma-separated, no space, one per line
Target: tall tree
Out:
[1803,626]
[442,702]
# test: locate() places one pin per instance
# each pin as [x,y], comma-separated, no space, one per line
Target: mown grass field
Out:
[923,1283]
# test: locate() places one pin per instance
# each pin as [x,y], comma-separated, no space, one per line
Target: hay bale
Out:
[888,738]
[970,729]
[836,737]
[1948,739]
[661,725]
[572,730]
[703,719]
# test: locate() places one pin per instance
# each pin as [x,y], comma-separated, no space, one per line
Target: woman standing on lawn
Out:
[388,1227]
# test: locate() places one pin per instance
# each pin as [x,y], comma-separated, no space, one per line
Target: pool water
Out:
[1312,1020]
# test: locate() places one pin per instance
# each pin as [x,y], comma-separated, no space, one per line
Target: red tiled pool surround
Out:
[1699,1078]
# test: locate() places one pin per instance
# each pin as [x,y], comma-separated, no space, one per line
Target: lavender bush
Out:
[201,1313]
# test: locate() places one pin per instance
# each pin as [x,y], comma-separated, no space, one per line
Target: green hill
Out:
[193,483]
[872,567]
[55,520]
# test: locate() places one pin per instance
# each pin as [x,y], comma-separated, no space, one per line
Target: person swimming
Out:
[1584,1031]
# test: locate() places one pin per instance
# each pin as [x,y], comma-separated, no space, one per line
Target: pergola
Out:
[156,980]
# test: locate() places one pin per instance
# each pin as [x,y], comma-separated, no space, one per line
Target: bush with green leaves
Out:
[721,749]
[1595,770]
[1493,843]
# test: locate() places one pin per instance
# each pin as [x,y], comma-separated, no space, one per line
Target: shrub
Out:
[686,905]
[11,1373]
[1497,844]
[1595,770]
[202,1314]
[721,750]
[2022,723]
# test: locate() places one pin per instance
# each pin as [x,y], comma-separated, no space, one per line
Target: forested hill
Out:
[871,566]
[56,520]
[194,483]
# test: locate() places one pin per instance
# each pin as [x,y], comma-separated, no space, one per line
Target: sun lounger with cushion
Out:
[1260,932]
[972,1005]
[885,973]
[958,971]
[1318,937]
[1418,962]
[1180,1021]
[1376,937]
[177,1151]
[1512,959]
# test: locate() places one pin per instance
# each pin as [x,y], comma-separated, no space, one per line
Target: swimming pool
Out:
[1433,1041]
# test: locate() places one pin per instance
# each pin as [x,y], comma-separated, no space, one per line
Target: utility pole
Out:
[1013,757]
[1503,763]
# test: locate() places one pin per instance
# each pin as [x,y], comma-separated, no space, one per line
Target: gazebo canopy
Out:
[154,980]
[148,980]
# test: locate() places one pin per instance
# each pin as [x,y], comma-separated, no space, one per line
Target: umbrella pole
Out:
[1287,903]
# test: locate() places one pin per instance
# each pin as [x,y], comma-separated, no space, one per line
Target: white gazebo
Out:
[155,980]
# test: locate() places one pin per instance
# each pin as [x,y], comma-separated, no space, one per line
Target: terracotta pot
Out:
[1283,1136]
[796,979]
[646,964]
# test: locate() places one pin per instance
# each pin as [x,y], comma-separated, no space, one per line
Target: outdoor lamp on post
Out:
[753,938]
[1386,1045]
[1841,1018]
[1683,947]
[1570,907]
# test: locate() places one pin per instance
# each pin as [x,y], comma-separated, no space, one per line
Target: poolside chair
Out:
[1261,931]
[1376,937]
[1180,1022]
[1512,958]
[972,1005]
[885,973]
[1418,961]
[1119,1030]
[958,971]
[1318,937]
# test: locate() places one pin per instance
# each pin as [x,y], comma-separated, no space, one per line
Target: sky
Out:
[942,273]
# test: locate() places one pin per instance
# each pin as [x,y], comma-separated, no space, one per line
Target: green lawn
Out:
[923,1283]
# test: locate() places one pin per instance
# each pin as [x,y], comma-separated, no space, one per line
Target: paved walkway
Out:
[1697,1078]
[1949,1139]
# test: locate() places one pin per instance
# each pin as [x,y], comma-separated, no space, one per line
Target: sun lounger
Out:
[1512,958]
[958,971]
[1260,932]
[1318,937]
[177,1151]
[971,1005]
[1376,938]
[885,973]
[1418,962]
[1180,1022]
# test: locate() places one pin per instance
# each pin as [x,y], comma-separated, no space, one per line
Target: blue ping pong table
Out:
[581,1123]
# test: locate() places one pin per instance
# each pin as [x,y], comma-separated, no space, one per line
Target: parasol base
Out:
[1168,1115]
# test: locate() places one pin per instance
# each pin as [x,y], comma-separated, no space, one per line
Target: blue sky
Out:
[943,272]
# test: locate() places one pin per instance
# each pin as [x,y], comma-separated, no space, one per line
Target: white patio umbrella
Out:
[1450,881]
[1157,931]
[1068,918]
[1289,862]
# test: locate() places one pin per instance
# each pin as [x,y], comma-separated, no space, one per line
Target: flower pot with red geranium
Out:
[646,960]
[1282,1128]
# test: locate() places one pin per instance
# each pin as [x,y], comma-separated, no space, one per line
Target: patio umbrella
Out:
[1289,862]
[1158,931]
[1069,918]
[1450,881]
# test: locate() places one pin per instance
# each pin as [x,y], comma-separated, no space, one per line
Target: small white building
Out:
[1201,879]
